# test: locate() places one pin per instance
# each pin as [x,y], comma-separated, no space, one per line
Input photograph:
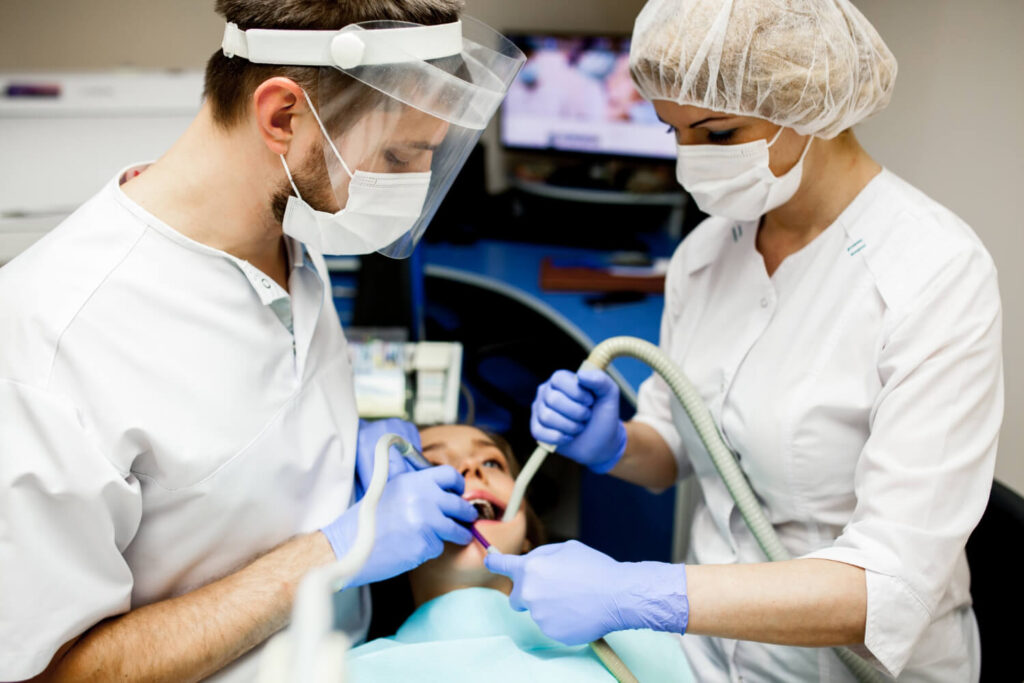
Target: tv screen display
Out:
[574,94]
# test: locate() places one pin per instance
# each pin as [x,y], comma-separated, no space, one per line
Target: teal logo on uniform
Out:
[856,248]
[737,233]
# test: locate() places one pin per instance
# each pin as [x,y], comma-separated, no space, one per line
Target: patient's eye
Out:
[494,462]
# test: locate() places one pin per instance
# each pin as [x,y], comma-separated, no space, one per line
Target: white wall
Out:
[103,34]
[955,127]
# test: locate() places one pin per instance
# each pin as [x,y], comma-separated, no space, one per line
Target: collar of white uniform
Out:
[709,242]
[265,287]
[347,48]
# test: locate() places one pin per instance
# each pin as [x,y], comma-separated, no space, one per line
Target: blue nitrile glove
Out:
[366,445]
[577,594]
[579,413]
[417,513]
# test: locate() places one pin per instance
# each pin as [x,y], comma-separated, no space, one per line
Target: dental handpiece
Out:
[414,457]
[488,548]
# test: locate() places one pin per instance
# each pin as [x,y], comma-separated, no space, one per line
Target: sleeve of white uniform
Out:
[654,400]
[66,514]
[923,477]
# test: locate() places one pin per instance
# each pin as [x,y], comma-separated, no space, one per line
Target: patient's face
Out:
[488,482]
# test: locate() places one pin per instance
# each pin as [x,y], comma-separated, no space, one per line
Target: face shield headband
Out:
[395,98]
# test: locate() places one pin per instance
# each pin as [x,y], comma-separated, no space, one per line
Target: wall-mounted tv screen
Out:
[575,95]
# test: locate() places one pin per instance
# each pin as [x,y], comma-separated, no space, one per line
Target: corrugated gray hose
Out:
[723,459]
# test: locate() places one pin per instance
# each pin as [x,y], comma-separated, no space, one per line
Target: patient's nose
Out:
[472,467]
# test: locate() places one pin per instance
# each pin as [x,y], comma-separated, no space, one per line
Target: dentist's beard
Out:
[314,185]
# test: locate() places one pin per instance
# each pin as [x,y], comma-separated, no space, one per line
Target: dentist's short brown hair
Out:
[231,81]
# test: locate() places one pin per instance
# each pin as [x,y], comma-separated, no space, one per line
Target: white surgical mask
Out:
[381,207]
[735,181]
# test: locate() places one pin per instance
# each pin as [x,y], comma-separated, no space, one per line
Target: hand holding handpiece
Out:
[418,512]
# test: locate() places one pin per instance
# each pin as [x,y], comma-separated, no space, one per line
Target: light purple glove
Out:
[366,445]
[579,413]
[577,594]
[417,513]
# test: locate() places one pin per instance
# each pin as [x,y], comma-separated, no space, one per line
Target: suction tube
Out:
[723,459]
[311,646]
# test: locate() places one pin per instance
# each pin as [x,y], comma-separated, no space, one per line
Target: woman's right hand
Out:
[579,414]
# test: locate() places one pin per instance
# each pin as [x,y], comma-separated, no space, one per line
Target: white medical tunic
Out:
[860,386]
[167,413]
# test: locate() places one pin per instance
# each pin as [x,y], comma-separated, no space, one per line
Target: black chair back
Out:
[997,585]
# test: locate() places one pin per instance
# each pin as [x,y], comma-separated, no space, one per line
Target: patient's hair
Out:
[231,81]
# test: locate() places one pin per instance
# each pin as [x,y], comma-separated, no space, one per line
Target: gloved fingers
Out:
[457,508]
[596,381]
[452,532]
[506,565]
[548,549]
[561,403]
[546,434]
[445,477]
[515,600]
[568,383]
[433,547]
[397,465]
[406,430]
[552,419]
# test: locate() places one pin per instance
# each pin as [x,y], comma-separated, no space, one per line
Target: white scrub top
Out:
[160,426]
[861,388]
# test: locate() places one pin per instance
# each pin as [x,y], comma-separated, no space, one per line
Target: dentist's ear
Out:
[277,102]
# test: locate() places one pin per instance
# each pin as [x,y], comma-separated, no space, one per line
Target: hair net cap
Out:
[817,66]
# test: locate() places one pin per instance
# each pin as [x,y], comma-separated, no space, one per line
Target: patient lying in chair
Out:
[463,627]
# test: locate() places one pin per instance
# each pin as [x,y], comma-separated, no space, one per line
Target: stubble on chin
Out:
[313,182]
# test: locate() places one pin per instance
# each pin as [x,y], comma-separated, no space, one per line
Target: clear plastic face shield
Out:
[401,107]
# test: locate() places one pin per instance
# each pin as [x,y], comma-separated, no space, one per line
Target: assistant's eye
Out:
[394,160]
[720,135]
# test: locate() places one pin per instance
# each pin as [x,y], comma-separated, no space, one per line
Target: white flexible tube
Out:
[531,467]
[313,614]
[723,459]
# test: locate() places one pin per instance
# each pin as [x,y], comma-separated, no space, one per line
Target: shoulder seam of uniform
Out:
[96,288]
[50,394]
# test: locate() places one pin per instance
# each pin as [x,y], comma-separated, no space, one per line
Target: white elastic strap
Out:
[810,139]
[289,174]
[328,137]
[315,48]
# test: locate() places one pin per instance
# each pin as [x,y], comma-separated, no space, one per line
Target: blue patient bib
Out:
[474,632]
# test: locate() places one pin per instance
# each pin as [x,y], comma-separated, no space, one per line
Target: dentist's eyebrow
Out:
[417,144]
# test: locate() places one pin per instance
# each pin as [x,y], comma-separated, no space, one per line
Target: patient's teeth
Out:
[484,508]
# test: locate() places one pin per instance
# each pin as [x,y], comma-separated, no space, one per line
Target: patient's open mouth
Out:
[487,509]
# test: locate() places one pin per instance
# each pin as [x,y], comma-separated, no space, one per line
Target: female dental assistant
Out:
[844,330]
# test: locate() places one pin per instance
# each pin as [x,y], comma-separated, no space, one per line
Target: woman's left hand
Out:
[577,594]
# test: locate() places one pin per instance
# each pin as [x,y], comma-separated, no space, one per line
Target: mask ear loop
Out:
[810,139]
[326,136]
[288,173]
[777,134]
